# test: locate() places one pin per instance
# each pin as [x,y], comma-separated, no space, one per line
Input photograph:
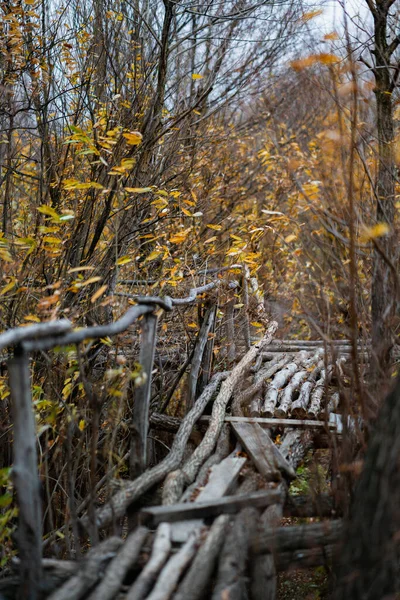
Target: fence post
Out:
[200,347]
[140,413]
[26,477]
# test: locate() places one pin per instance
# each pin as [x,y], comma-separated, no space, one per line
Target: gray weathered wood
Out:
[286,396]
[140,413]
[230,580]
[208,355]
[169,576]
[255,408]
[299,407]
[26,478]
[135,489]
[212,508]
[119,566]
[257,444]
[271,422]
[221,480]
[295,444]
[231,577]
[198,355]
[272,367]
[15,336]
[230,331]
[89,570]
[221,452]
[279,381]
[188,472]
[295,537]
[159,554]
[263,568]
[195,582]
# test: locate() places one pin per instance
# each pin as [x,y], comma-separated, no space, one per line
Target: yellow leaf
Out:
[81,424]
[216,227]
[378,230]
[138,190]
[331,36]
[47,210]
[302,63]
[186,212]
[327,59]
[160,203]
[126,165]
[124,260]
[153,255]
[32,318]
[311,15]
[211,239]
[193,325]
[256,324]
[50,239]
[197,76]
[97,294]
[76,269]
[8,287]
[178,238]
[134,138]
[290,238]
[74,184]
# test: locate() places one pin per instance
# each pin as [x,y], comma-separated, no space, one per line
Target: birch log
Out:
[278,382]
[159,555]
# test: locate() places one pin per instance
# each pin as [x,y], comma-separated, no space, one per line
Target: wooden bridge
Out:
[217,531]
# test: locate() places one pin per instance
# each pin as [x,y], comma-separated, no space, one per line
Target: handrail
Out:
[45,336]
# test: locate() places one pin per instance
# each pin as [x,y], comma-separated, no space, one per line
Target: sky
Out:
[332,17]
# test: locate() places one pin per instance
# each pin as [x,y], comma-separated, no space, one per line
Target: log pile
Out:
[218,532]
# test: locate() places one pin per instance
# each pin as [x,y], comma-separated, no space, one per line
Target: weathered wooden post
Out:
[200,347]
[26,477]
[140,413]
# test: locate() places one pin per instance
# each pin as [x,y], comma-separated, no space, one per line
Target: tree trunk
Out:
[383,300]
[368,568]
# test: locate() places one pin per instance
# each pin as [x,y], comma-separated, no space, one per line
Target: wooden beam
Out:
[212,508]
[262,451]
[271,423]
[296,537]
[220,482]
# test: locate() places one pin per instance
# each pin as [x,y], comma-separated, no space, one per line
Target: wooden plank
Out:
[221,480]
[271,422]
[213,508]
[263,452]
[252,437]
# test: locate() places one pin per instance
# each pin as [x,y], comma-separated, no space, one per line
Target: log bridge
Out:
[218,531]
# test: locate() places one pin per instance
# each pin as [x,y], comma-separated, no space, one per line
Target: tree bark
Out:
[368,568]
[383,300]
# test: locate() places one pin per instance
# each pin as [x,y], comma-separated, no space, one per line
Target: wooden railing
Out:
[47,336]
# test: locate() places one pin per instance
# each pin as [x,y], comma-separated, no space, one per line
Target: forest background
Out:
[149,142]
